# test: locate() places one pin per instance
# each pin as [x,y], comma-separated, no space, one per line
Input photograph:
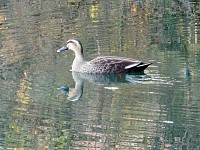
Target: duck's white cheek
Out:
[70,46]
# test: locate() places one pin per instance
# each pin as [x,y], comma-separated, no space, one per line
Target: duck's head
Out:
[74,45]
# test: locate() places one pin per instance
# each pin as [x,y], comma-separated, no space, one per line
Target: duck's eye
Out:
[72,43]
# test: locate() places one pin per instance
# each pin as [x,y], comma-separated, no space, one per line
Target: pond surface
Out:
[45,106]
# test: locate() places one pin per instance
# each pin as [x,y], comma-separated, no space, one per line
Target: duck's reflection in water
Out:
[76,93]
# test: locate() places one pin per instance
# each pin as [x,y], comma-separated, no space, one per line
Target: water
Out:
[156,110]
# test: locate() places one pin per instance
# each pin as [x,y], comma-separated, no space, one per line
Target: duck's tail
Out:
[138,68]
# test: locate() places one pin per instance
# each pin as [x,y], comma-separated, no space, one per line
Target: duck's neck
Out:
[77,63]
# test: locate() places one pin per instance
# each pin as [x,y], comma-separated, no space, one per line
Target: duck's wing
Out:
[113,64]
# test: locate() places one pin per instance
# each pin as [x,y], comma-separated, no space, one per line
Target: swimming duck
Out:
[101,64]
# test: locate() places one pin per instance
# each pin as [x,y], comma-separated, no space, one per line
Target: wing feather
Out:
[113,64]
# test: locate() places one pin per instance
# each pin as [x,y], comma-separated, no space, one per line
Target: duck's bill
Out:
[62,49]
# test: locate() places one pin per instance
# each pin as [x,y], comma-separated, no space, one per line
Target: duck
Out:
[101,64]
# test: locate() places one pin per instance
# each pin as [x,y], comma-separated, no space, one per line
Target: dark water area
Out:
[43,105]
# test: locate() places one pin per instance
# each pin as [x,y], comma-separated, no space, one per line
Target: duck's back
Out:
[112,64]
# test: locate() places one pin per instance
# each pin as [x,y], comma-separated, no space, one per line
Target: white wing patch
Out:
[132,65]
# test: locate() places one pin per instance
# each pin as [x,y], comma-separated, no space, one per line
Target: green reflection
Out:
[157,112]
